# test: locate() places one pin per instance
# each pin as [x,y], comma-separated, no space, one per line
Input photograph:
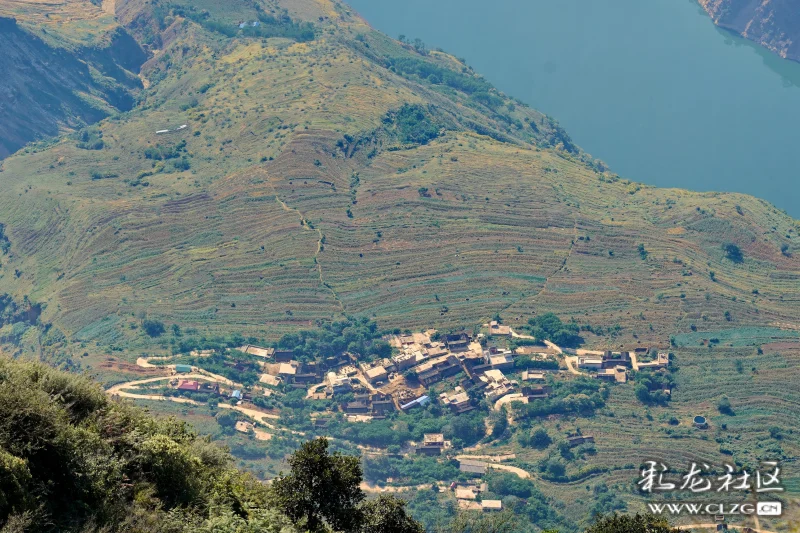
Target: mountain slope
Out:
[60,75]
[774,24]
[301,189]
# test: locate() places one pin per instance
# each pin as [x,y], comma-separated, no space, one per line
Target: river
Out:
[651,87]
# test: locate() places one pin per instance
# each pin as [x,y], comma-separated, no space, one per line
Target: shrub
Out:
[724,406]
[154,328]
[733,252]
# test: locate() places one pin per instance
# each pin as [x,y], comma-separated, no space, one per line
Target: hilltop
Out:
[355,174]
[774,24]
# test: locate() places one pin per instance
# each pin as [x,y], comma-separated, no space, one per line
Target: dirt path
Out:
[523,474]
[366,487]
[571,363]
[516,335]
[117,390]
[508,398]
[144,362]
[505,457]
[309,227]
[554,346]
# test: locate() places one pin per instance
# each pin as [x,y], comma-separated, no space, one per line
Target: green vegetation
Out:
[651,386]
[437,75]
[413,124]
[733,252]
[638,523]
[72,459]
[578,397]
[549,326]
[359,336]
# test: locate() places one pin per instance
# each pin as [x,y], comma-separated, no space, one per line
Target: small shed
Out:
[183,369]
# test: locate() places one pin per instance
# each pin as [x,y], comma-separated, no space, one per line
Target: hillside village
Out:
[493,369]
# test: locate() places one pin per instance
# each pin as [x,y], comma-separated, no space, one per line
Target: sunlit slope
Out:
[289,197]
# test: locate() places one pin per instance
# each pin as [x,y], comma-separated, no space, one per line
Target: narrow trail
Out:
[118,391]
[561,267]
[308,227]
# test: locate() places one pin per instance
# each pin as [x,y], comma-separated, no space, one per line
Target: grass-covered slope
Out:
[351,173]
[71,460]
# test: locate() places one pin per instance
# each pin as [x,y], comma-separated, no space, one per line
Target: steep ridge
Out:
[51,84]
[774,24]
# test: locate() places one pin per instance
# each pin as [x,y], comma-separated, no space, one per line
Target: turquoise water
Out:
[652,87]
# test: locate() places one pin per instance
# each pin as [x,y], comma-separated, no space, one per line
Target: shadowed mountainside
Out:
[52,84]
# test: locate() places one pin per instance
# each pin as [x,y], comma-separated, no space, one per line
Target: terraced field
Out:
[274,225]
[295,195]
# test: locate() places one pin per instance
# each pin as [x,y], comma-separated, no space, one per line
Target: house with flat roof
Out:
[465,493]
[337,383]
[376,374]
[458,342]
[576,440]
[497,384]
[609,374]
[502,361]
[406,360]
[472,466]
[488,506]
[532,376]
[287,371]
[591,363]
[458,400]
[283,356]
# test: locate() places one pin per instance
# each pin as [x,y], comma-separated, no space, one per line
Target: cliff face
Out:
[774,24]
[46,89]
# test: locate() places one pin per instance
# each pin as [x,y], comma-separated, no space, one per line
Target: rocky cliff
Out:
[774,24]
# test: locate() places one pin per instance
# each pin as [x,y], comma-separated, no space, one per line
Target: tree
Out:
[733,252]
[227,418]
[540,438]
[638,523]
[555,469]
[322,489]
[154,328]
[500,425]
[724,406]
[387,514]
